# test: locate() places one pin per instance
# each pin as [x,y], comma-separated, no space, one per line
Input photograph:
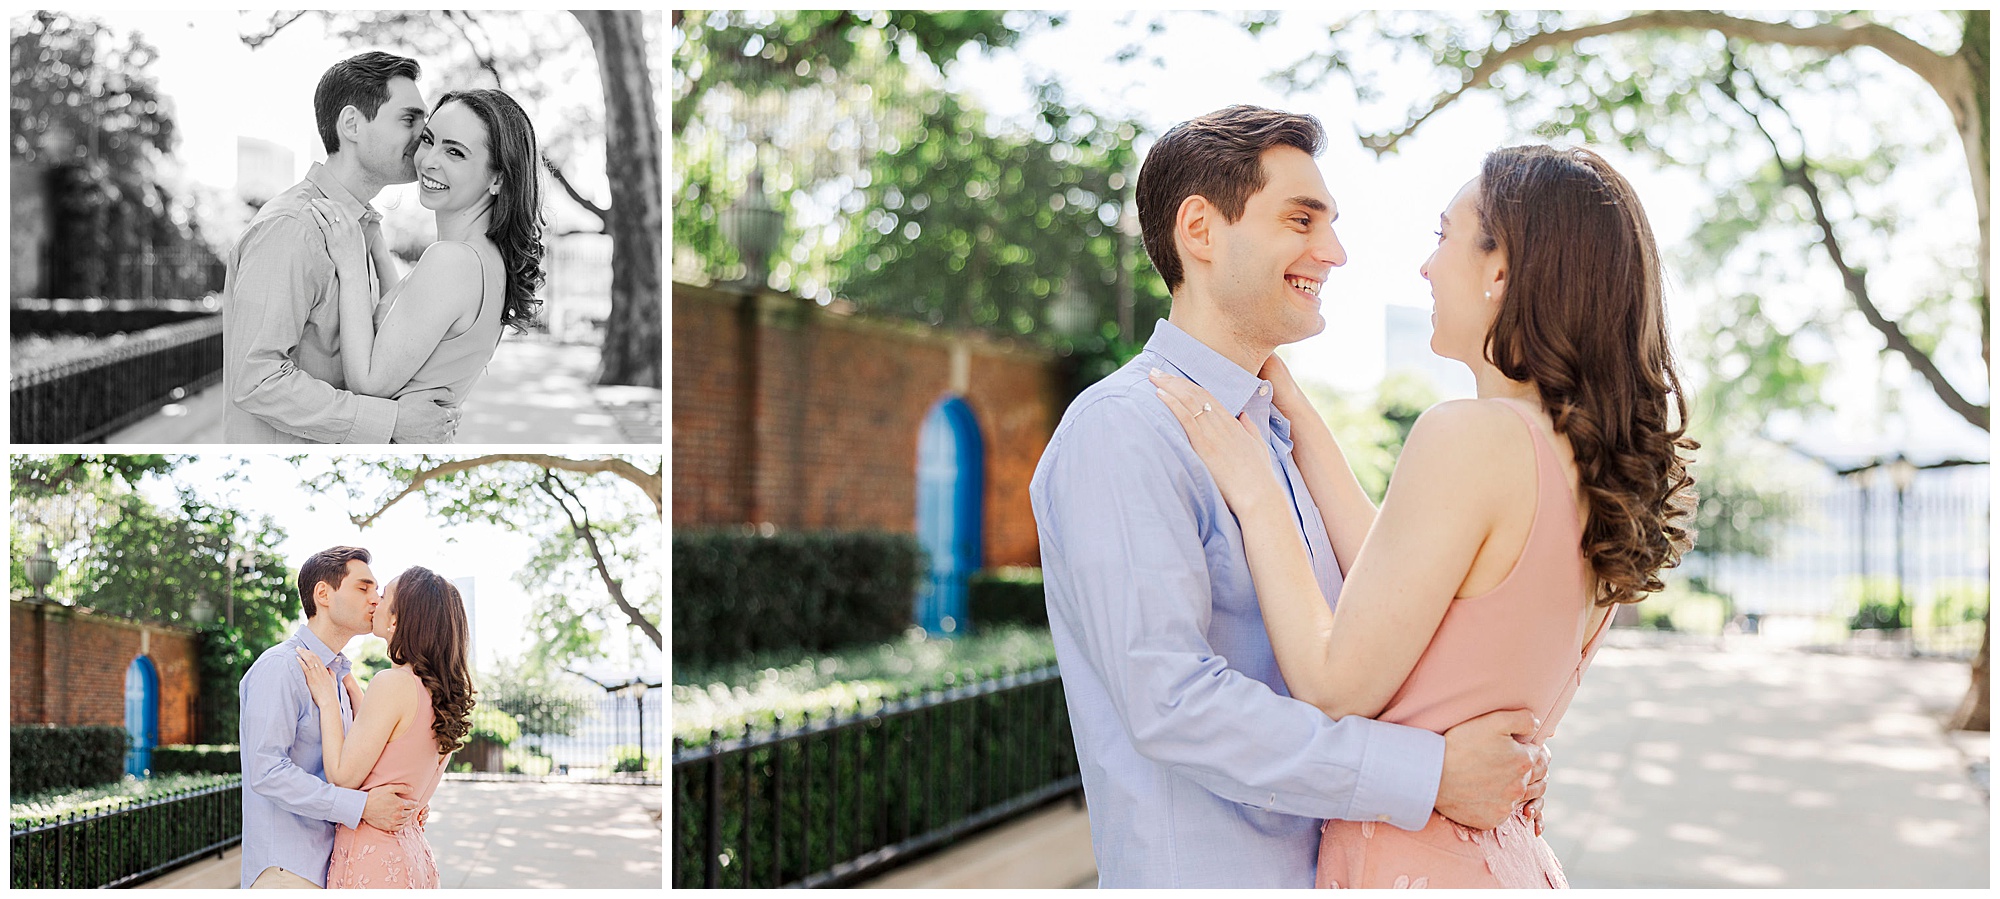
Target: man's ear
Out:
[1194,229]
[348,123]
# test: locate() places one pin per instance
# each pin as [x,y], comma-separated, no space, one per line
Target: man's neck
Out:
[333,635]
[346,169]
[1202,321]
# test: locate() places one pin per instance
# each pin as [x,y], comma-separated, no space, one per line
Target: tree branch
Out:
[603,213]
[279,22]
[647,481]
[582,529]
[1800,175]
[1948,76]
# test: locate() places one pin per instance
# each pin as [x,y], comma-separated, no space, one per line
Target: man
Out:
[1199,768]
[280,312]
[289,810]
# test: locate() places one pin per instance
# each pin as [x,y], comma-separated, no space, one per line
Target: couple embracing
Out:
[337,783]
[325,339]
[1272,682]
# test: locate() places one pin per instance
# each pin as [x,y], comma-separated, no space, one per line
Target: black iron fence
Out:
[125,845]
[611,738]
[84,399]
[824,803]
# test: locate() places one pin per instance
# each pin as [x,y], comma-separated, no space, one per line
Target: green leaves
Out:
[897,196]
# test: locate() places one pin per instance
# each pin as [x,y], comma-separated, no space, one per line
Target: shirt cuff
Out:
[348,806]
[376,422]
[1399,777]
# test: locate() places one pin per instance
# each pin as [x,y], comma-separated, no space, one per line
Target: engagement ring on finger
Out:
[1198,412]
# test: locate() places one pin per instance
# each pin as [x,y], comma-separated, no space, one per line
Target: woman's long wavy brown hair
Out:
[516,225]
[1582,319]
[432,638]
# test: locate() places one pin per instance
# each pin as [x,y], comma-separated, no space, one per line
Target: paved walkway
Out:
[1694,767]
[533,392]
[497,835]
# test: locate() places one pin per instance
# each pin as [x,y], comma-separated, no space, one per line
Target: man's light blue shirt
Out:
[1199,768]
[289,810]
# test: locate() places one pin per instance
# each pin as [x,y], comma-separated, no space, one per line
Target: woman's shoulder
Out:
[398,680]
[1477,443]
[1468,420]
[454,256]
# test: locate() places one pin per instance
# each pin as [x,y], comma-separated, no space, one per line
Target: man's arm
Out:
[279,269]
[1124,514]
[270,712]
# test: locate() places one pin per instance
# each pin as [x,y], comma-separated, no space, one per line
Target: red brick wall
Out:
[67,666]
[809,420]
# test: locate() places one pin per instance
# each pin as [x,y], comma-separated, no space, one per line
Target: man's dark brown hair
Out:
[328,566]
[1217,156]
[360,81]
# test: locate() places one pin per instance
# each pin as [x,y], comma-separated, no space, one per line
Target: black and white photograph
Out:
[335,227]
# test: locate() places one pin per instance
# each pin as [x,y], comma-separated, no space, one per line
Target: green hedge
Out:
[758,689]
[1007,596]
[197,760]
[46,757]
[737,593]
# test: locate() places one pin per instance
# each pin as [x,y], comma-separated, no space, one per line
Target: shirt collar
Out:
[334,661]
[1225,380]
[335,191]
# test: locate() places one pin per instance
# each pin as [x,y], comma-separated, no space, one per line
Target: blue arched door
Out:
[951,485]
[142,714]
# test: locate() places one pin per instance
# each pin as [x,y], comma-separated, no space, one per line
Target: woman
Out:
[1514,523]
[439,325]
[415,715]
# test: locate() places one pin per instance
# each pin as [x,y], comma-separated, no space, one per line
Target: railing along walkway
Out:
[826,803]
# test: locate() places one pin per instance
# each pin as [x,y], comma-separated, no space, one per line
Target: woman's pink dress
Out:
[1520,645]
[366,858]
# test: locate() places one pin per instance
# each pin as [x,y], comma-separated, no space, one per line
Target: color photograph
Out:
[397,671]
[1363,449]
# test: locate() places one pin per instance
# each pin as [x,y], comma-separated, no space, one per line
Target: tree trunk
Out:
[1973,712]
[633,335]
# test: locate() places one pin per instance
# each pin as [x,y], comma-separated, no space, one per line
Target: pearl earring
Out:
[1489,294]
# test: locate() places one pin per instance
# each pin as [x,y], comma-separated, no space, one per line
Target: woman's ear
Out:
[494,188]
[1496,286]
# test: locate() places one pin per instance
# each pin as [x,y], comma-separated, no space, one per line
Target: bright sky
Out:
[1389,207]
[405,536]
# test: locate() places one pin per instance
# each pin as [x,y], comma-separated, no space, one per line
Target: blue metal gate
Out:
[951,485]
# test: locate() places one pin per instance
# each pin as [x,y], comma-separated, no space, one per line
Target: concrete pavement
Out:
[497,834]
[1693,767]
[533,391]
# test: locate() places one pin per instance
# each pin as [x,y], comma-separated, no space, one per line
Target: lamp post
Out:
[41,570]
[636,690]
[754,227]
[1902,473]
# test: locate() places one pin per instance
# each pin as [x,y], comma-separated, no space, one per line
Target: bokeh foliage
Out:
[89,120]
[900,197]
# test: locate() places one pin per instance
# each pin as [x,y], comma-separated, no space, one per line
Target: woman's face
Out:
[385,612]
[1466,281]
[454,167]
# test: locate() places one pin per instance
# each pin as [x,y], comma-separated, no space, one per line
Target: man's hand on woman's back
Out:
[1488,772]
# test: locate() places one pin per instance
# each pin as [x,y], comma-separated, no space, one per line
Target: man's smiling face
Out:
[1271,263]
